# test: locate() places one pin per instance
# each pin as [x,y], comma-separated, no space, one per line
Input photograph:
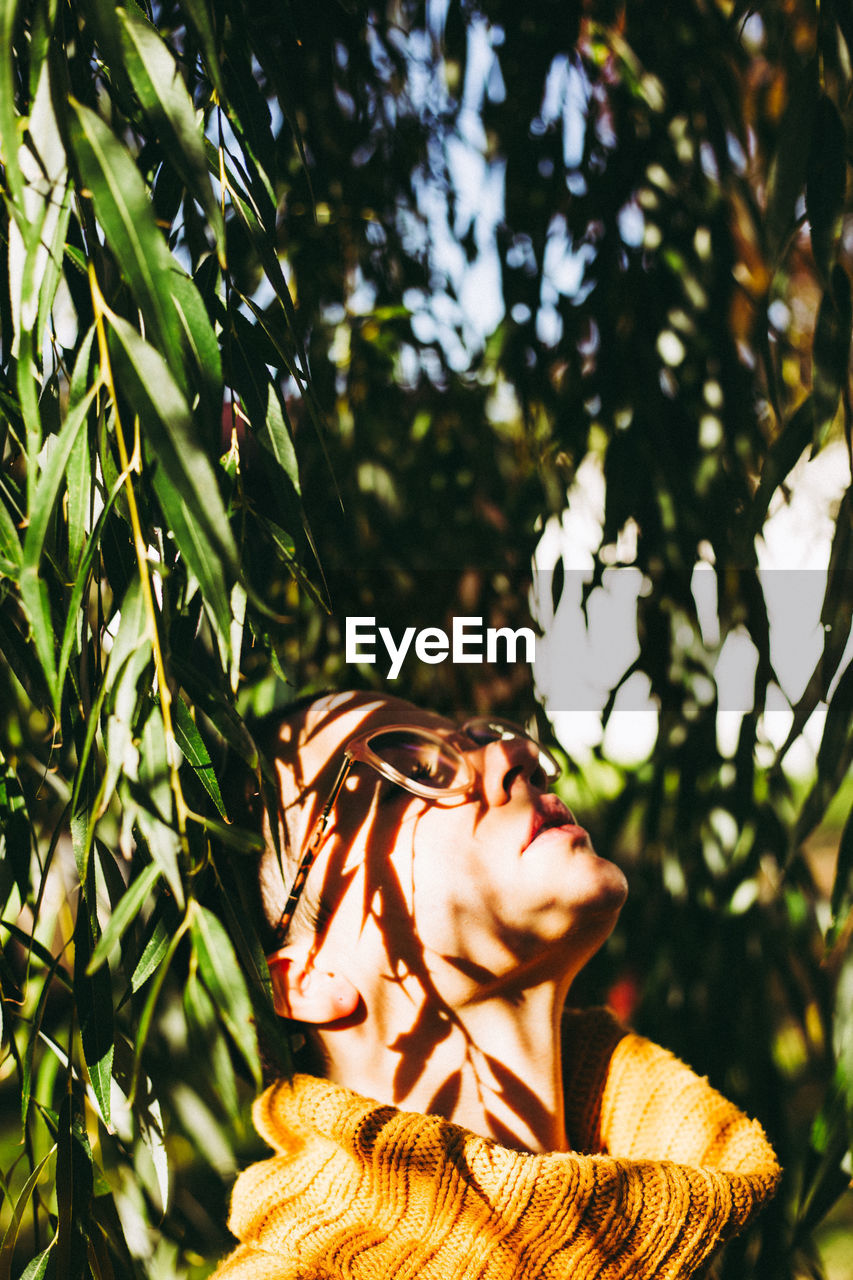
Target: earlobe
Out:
[306,994]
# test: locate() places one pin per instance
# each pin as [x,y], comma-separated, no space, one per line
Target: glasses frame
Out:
[358,750]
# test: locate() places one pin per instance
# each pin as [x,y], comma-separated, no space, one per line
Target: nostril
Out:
[510,777]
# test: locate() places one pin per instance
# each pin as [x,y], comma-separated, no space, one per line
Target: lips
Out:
[550,814]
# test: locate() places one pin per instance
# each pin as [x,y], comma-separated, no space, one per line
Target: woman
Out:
[457,1121]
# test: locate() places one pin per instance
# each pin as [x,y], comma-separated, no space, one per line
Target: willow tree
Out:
[313,312]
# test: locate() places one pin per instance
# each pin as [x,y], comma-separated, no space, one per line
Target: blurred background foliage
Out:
[317,311]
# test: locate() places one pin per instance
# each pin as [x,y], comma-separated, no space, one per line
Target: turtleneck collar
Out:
[664,1169]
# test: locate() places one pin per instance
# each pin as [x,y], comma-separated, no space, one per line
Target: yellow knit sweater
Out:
[663,1170]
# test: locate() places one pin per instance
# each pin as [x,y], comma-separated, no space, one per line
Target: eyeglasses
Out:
[421,762]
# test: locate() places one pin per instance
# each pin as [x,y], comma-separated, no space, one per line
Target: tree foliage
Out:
[314,312]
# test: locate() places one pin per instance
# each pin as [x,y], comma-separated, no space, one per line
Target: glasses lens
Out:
[419,758]
[484,730]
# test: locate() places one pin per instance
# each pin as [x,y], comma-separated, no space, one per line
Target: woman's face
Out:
[493,883]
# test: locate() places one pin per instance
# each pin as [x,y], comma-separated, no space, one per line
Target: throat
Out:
[494,1069]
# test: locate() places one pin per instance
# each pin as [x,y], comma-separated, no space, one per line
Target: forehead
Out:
[312,742]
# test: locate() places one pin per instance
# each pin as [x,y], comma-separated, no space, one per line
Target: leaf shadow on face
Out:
[386,830]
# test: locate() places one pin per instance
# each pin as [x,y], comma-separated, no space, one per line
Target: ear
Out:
[306,994]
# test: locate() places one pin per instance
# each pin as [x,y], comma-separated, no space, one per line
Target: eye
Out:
[420,771]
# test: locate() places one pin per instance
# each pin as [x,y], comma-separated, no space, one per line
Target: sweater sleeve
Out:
[628,1097]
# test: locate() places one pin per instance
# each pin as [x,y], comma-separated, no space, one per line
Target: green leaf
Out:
[195,752]
[163,97]
[201,344]
[79,470]
[126,911]
[210,1043]
[124,210]
[826,181]
[152,954]
[237,838]
[10,543]
[198,12]
[37,1267]
[225,983]
[275,438]
[153,392]
[154,772]
[165,848]
[831,352]
[144,1023]
[74,1182]
[788,168]
[33,590]
[788,447]
[201,557]
[842,888]
[9,136]
[93,992]
[35,249]
[837,608]
[91,548]
[10,1237]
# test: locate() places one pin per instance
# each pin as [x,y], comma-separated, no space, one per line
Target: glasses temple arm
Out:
[307,860]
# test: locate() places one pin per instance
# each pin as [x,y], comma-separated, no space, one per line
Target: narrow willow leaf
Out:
[222,714]
[50,479]
[164,99]
[45,491]
[10,543]
[275,438]
[126,911]
[152,954]
[842,888]
[154,772]
[144,1024]
[167,419]
[828,1180]
[787,174]
[81,580]
[41,952]
[29,1054]
[130,634]
[124,210]
[79,470]
[151,1131]
[199,15]
[831,351]
[195,752]
[237,838]
[788,447]
[9,138]
[210,1043]
[200,342]
[837,608]
[7,1249]
[165,848]
[826,180]
[93,992]
[37,1267]
[16,830]
[238,626]
[200,555]
[224,980]
[74,1182]
[35,247]
[36,602]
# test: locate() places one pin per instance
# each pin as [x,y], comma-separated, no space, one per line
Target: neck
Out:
[492,1065]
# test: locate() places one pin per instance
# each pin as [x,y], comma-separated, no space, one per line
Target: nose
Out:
[503,762]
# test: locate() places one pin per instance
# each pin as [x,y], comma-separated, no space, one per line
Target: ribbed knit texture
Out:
[663,1170]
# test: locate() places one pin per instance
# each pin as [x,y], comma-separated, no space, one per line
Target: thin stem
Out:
[128,466]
